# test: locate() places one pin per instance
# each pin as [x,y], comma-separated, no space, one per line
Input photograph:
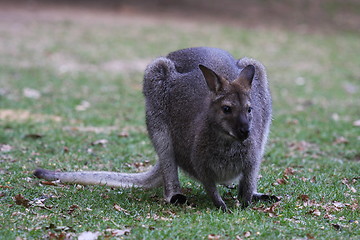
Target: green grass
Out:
[67,61]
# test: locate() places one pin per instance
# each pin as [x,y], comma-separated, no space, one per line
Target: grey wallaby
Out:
[208,114]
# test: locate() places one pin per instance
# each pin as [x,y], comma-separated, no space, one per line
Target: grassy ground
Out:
[70,81]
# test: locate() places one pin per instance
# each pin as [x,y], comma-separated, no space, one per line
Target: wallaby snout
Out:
[243,128]
[245,132]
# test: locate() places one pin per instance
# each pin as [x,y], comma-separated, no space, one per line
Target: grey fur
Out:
[197,116]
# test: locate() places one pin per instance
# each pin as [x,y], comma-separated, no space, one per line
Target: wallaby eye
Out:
[226,109]
[249,109]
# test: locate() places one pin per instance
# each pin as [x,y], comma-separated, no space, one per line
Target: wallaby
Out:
[206,113]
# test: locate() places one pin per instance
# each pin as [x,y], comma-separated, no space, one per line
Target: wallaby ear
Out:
[246,77]
[214,82]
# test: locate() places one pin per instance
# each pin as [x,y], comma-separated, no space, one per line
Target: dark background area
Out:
[303,15]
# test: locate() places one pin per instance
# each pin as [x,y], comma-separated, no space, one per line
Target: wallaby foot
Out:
[265,197]
[259,197]
[178,199]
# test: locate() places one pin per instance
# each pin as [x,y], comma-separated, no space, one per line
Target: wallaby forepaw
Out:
[225,209]
[178,199]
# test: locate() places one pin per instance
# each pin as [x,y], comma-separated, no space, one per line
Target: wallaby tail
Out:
[149,179]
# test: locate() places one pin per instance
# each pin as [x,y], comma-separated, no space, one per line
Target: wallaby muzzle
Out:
[243,128]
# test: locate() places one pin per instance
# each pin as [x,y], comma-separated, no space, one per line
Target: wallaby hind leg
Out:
[169,169]
[156,80]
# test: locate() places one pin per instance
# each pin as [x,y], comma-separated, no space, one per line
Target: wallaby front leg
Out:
[169,168]
[213,193]
[247,189]
[247,185]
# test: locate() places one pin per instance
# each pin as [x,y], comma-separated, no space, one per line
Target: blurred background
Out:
[310,48]
[316,15]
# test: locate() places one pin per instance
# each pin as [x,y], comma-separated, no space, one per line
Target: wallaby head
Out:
[230,105]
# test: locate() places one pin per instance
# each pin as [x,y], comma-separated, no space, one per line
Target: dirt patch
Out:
[12,115]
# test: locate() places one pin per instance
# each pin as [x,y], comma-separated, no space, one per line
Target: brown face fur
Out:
[232,111]
[230,102]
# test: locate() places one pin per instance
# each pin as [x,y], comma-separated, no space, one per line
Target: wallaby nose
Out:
[245,132]
[243,127]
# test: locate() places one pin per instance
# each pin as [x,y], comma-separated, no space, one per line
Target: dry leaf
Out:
[313,179]
[247,234]
[303,197]
[341,140]
[315,212]
[20,200]
[350,88]
[84,105]
[336,226]
[72,209]
[38,202]
[105,196]
[118,232]
[31,93]
[338,204]
[48,183]
[304,179]
[346,182]
[120,209]
[270,210]
[60,236]
[124,133]
[289,171]
[329,216]
[301,146]
[356,123]
[353,206]
[60,228]
[310,236]
[5,148]
[280,181]
[292,122]
[89,235]
[101,142]
[213,237]
[66,149]
[352,189]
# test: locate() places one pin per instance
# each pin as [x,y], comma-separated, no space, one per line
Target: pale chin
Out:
[236,138]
